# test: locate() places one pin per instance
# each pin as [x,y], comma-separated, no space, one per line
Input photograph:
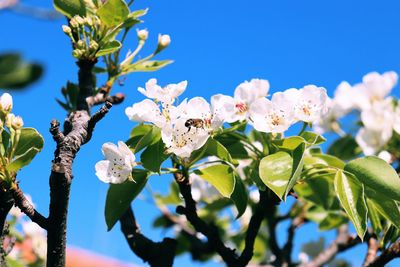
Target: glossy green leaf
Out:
[233,145]
[221,177]
[139,13]
[29,138]
[289,143]
[120,196]
[22,160]
[351,195]
[330,160]
[373,214]
[377,174]
[275,171]
[150,65]
[313,138]
[240,196]
[137,133]
[113,12]
[130,21]
[153,156]
[70,8]
[109,48]
[385,205]
[151,137]
[298,163]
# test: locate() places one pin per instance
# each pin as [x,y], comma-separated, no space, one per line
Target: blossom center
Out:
[241,107]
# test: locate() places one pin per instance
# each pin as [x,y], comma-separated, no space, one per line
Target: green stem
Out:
[305,124]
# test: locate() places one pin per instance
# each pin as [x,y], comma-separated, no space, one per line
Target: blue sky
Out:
[215,46]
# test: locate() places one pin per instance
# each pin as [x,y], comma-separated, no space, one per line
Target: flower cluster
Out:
[379,113]
[187,126]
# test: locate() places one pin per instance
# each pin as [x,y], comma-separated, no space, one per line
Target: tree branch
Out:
[253,229]
[288,247]
[210,231]
[342,242]
[373,247]
[159,254]
[26,207]
[387,255]
[78,131]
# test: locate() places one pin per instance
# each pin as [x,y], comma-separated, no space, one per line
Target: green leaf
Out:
[29,138]
[376,174]
[153,156]
[137,133]
[220,176]
[289,143]
[130,21]
[298,163]
[70,8]
[211,148]
[233,145]
[139,13]
[63,105]
[150,65]
[319,190]
[373,214]
[275,171]
[224,180]
[22,160]
[386,206]
[351,195]
[332,220]
[16,73]
[120,196]
[330,160]
[113,12]
[5,141]
[240,196]
[312,138]
[148,139]
[173,196]
[345,148]
[109,48]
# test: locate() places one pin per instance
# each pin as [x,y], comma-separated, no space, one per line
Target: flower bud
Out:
[164,40]
[88,21]
[6,103]
[142,34]
[74,23]
[80,44]
[93,46]
[9,119]
[77,53]
[79,20]
[67,30]
[17,123]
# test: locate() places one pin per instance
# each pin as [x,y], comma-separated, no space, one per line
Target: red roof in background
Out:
[77,257]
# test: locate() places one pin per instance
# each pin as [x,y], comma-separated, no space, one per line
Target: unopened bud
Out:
[74,24]
[77,53]
[88,21]
[9,119]
[94,46]
[79,20]
[164,40]
[6,103]
[17,123]
[67,30]
[142,34]
[80,44]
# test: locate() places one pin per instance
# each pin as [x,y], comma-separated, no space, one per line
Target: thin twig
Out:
[386,256]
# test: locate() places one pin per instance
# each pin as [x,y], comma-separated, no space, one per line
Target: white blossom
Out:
[396,120]
[372,141]
[166,95]
[378,86]
[380,115]
[118,165]
[272,116]
[6,103]
[237,108]
[142,34]
[164,40]
[310,102]
[386,156]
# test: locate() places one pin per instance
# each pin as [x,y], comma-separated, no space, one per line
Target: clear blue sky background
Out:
[215,45]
